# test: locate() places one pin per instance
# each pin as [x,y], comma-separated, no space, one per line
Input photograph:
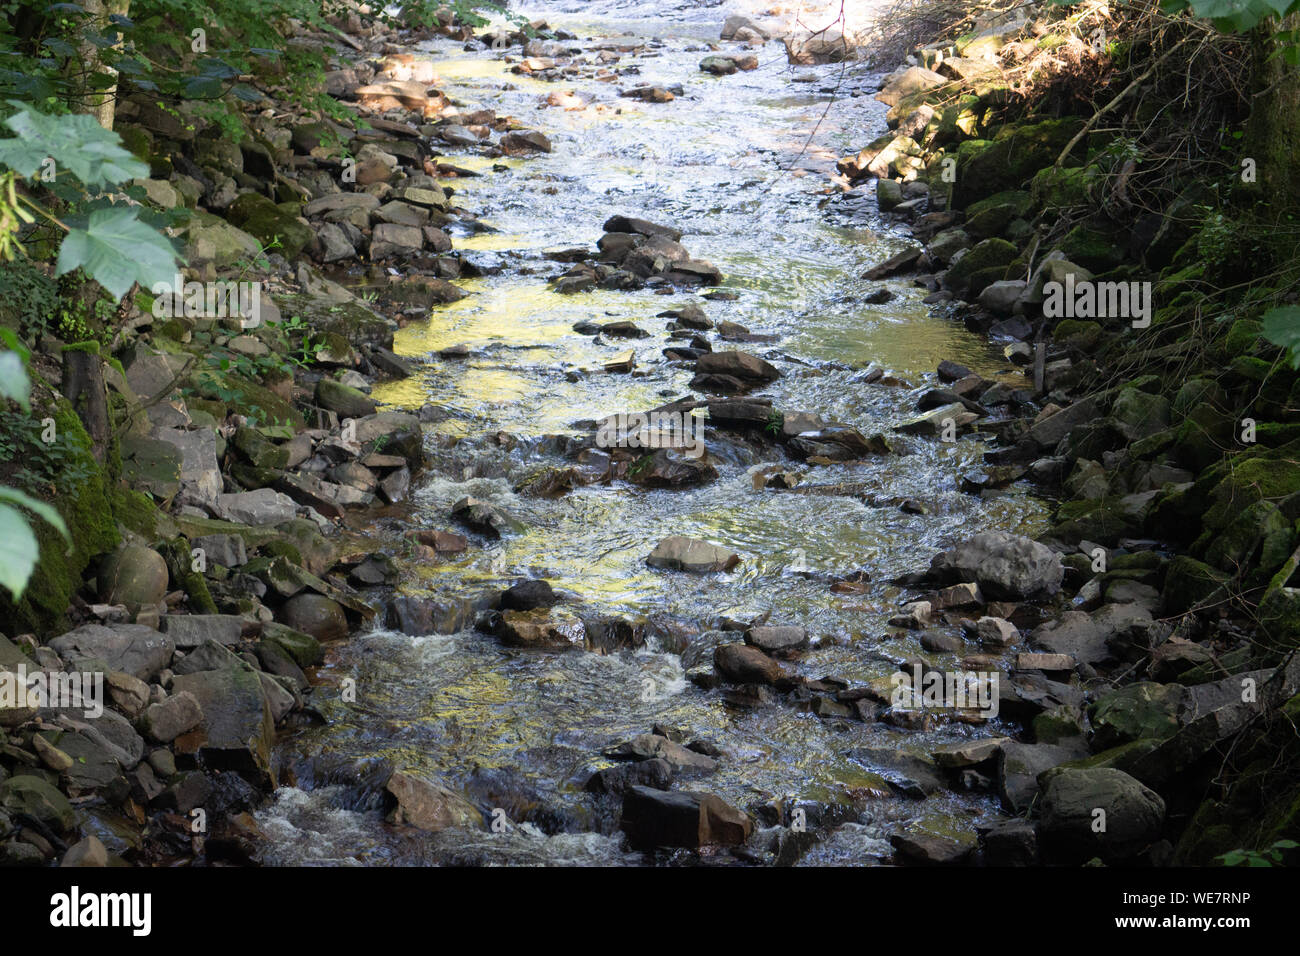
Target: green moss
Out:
[86,512]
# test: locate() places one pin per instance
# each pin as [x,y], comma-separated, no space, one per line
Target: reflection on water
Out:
[522,730]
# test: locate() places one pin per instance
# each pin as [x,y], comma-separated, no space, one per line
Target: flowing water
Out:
[731,163]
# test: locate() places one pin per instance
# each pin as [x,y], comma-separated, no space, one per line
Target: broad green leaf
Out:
[18,551]
[75,142]
[42,509]
[1282,328]
[13,378]
[117,250]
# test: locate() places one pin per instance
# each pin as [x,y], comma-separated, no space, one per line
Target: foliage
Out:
[18,548]
[1282,328]
[1271,856]
[108,241]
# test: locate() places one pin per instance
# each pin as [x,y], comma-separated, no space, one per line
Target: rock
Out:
[1011,843]
[199,473]
[778,641]
[178,714]
[190,630]
[681,819]
[655,772]
[237,729]
[134,576]
[732,371]
[1099,812]
[347,402]
[736,23]
[131,648]
[657,747]
[1018,768]
[315,615]
[529,595]
[1141,710]
[1006,566]
[742,664]
[129,694]
[680,553]
[1092,638]
[263,506]
[484,517]
[718,65]
[1001,296]
[910,775]
[522,141]
[427,805]
[970,753]
[37,799]
[88,852]
[536,629]
[996,632]
[928,849]
[227,550]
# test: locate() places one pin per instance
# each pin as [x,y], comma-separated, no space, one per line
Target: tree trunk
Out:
[101,104]
[1273,134]
[83,386]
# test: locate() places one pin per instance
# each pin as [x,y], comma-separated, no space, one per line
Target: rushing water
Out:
[731,164]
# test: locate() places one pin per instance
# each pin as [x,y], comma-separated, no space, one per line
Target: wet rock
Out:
[681,819]
[642,227]
[1010,843]
[88,852]
[919,848]
[729,372]
[910,775]
[528,596]
[718,65]
[996,632]
[656,773]
[669,468]
[777,641]
[523,141]
[742,664]
[970,753]
[315,615]
[655,746]
[680,553]
[1133,815]
[484,517]
[428,805]
[537,629]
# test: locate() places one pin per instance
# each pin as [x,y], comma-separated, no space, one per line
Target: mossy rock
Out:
[305,650]
[1081,334]
[1242,338]
[258,450]
[986,254]
[989,217]
[1053,189]
[1260,529]
[263,219]
[1093,247]
[1209,835]
[1248,482]
[354,321]
[1008,161]
[1191,584]
[1139,414]
[1144,710]
[1123,757]
[89,518]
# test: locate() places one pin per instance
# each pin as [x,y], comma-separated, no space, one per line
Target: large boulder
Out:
[135,576]
[132,648]
[428,805]
[1006,566]
[237,729]
[654,817]
[680,553]
[1100,812]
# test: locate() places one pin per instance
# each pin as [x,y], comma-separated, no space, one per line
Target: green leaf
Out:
[18,551]
[39,507]
[1282,328]
[75,142]
[13,379]
[117,250]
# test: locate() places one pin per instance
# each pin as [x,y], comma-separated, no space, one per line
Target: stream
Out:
[730,162]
